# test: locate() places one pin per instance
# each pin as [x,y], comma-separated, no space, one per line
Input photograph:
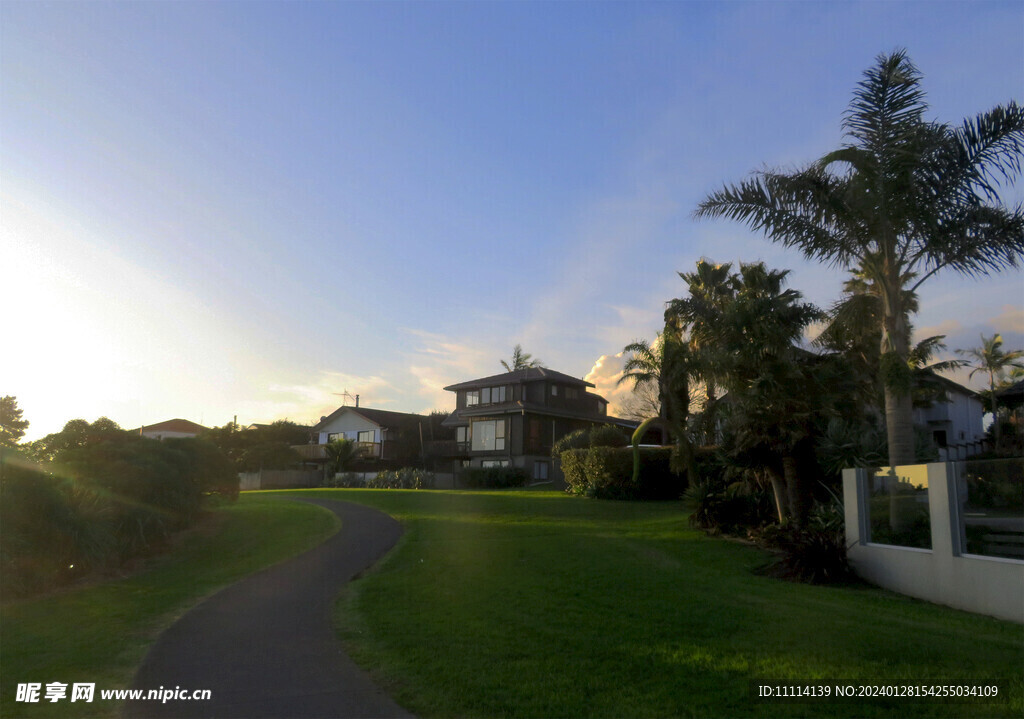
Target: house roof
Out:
[951,386]
[1013,395]
[174,425]
[521,376]
[381,417]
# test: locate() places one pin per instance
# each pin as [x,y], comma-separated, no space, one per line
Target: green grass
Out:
[530,604]
[100,633]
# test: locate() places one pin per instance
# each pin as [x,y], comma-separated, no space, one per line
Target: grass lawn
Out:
[100,633]
[536,604]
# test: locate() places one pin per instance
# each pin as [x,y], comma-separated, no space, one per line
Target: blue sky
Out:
[218,209]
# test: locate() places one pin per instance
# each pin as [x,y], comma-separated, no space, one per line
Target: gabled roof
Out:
[381,417]
[951,386]
[521,376]
[174,425]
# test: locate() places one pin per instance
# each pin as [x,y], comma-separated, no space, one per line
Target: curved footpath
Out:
[265,646]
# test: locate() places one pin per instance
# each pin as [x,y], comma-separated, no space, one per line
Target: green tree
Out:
[662,365]
[709,287]
[902,200]
[520,360]
[991,359]
[12,426]
[341,453]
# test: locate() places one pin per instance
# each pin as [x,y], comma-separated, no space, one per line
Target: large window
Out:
[492,395]
[487,395]
[488,435]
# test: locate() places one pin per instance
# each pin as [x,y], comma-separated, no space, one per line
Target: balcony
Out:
[448,448]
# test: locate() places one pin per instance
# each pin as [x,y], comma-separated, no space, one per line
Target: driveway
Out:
[265,648]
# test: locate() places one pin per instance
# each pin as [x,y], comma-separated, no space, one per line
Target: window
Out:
[572,393]
[602,407]
[472,398]
[365,436]
[540,470]
[488,435]
[494,463]
[462,437]
[492,395]
[335,435]
[554,390]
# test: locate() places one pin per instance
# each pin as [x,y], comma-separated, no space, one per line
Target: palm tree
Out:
[520,360]
[341,453]
[775,390]
[903,200]
[991,358]
[710,287]
[664,364]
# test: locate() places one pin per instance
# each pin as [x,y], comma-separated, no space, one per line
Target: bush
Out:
[108,495]
[717,505]
[607,473]
[493,477]
[579,439]
[346,480]
[815,553]
[404,478]
[605,435]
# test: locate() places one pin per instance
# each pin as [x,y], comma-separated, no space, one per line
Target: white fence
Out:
[922,531]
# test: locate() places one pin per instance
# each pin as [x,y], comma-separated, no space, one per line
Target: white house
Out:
[956,424]
[378,433]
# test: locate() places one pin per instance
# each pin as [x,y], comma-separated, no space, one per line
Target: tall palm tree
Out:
[520,360]
[710,287]
[904,199]
[665,364]
[991,358]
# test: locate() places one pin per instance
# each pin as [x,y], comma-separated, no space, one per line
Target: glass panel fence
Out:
[898,507]
[991,498]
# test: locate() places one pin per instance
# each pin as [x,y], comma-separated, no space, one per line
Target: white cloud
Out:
[605,375]
[1010,320]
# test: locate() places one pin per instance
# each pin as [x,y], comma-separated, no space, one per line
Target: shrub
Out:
[109,495]
[404,478]
[573,463]
[579,439]
[815,553]
[605,435]
[718,505]
[346,480]
[493,477]
[607,473]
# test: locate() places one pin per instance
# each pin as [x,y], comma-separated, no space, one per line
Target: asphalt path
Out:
[265,647]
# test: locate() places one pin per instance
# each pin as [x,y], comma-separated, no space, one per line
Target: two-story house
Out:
[383,438]
[954,422]
[512,419]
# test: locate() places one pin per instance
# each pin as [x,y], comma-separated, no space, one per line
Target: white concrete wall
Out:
[942,574]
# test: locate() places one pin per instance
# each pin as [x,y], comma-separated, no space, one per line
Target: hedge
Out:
[607,473]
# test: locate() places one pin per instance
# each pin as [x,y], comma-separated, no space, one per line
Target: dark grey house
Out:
[512,419]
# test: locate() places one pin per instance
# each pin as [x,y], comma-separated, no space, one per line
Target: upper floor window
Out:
[487,395]
[488,435]
[572,393]
[602,407]
[554,390]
